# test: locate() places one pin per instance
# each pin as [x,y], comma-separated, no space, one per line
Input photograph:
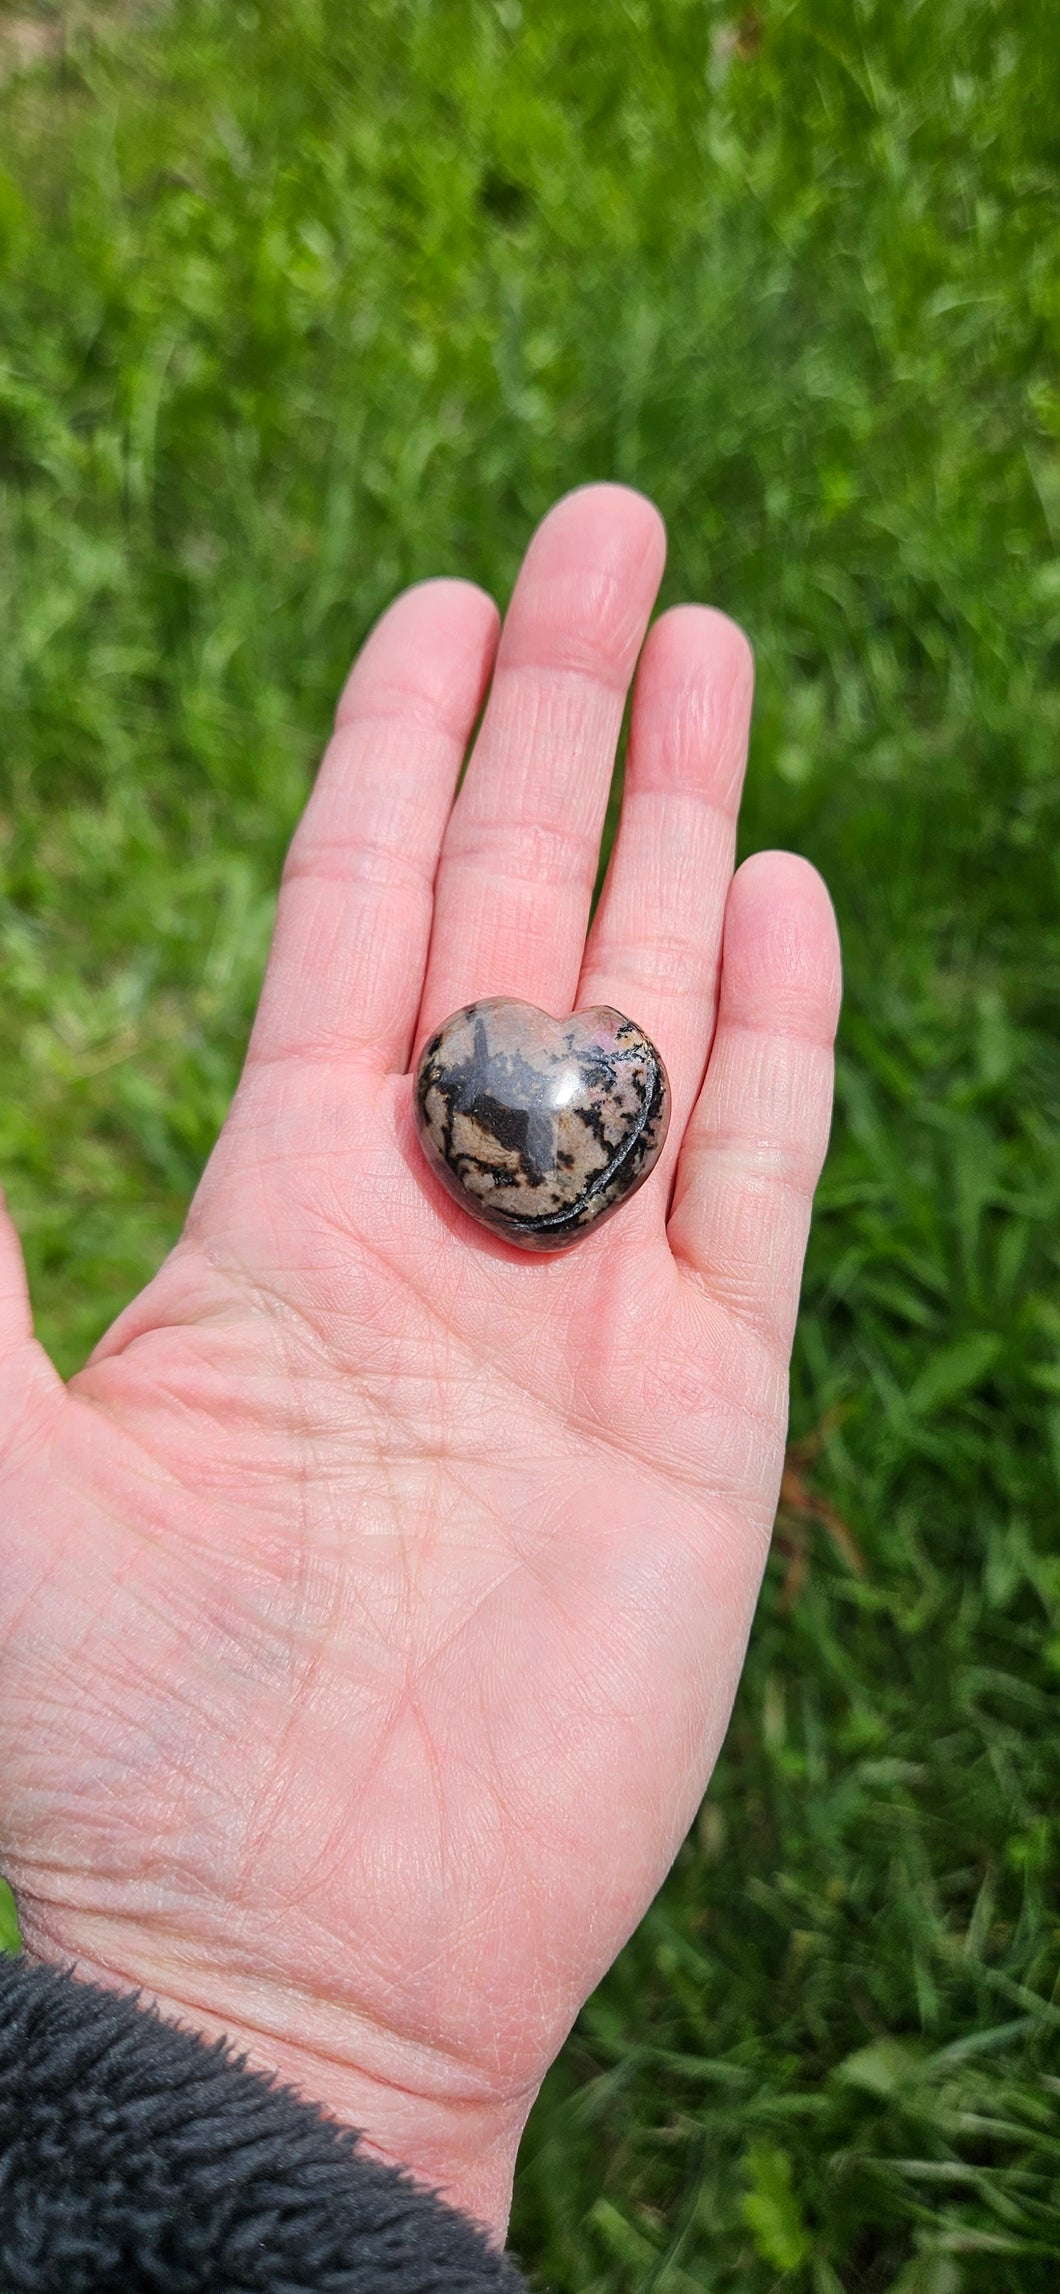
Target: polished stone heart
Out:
[540,1128]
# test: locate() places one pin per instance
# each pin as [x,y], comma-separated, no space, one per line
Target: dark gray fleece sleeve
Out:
[135,2156]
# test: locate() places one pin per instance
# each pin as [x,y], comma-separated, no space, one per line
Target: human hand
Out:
[372,1605]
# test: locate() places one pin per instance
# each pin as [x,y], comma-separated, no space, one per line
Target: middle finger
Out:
[519,859]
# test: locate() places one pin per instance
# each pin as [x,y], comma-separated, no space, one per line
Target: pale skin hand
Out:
[372,1605]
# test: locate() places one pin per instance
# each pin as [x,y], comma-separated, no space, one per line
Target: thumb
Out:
[16,1321]
[21,1359]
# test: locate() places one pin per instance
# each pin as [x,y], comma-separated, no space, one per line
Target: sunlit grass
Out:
[300,302]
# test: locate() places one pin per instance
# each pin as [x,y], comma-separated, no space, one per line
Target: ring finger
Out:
[655,945]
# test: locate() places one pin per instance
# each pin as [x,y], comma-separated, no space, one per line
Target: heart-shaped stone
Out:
[540,1128]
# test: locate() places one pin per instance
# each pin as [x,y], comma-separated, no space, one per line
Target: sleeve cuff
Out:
[135,2155]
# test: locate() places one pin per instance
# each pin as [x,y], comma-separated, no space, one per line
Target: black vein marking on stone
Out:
[578,1213]
[524,1131]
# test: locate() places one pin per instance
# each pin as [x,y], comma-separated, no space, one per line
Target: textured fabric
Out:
[135,2156]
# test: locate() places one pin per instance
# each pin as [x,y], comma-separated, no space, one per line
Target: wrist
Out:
[81,2062]
[465,2152]
[459,2144]
[444,2124]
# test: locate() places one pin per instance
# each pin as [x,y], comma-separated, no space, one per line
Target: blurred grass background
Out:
[301,301]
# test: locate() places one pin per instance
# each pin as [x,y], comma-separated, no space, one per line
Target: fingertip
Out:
[781,956]
[602,505]
[692,705]
[695,641]
[449,594]
[435,640]
[783,878]
[587,586]
[692,627]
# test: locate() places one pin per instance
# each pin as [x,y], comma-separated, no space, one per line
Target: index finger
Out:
[346,968]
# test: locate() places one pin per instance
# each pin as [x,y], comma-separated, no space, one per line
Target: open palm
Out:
[371,1606]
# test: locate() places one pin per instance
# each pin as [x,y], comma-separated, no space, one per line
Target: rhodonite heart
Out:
[540,1128]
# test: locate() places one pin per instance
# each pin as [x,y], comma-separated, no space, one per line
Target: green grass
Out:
[301,301]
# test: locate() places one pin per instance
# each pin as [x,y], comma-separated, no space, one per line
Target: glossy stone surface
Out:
[540,1128]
